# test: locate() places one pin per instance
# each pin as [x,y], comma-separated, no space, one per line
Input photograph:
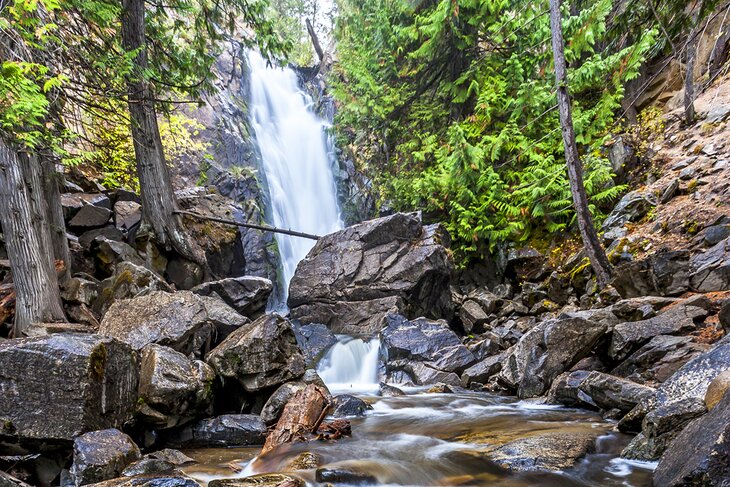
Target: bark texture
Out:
[592,245]
[56,223]
[28,238]
[158,199]
[689,83]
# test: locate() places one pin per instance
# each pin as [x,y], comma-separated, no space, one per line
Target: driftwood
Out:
[265,228]
[301,417]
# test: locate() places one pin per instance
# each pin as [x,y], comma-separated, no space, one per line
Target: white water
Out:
[351,365]
[297,161]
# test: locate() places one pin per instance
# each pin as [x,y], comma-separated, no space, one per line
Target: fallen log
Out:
[301,417]
[255,226]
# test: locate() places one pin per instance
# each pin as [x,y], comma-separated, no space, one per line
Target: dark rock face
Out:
[102,455]
[352,278]
[260,355]
[223,431]
[344,476]
[700,455]
[632,207]
[346,405]
[91,379]
[711,269]
[182,321]
[599,390]
[658,359]
[548,350]
[247,295]
[483,371]
[314,339]
[629,336]
[172,388]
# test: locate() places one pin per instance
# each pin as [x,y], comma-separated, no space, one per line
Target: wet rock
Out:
[424,375]
[352,278]
[172,388]
[699,455]
[148,466]
[556,451]
[548,350]
[174,457]
[390,391]
[602,391]
[101,455]
[717,389]
[152,480]
[344,476]
[275,404]
[247,295]
[710,270]
[658,359]
[127,214]
[484,348]
[271,353]
[346,405]
[565,388]
[484,370]
[261,480]
[304,461]
[422,340]
[91,379]
[632,207]
[314,340]
[128,281]
[222,431]
[627,337]
[90,216]
[182,321]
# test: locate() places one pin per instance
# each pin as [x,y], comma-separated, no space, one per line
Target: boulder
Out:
[700,454]
[526,264]
[101,455]
[724,315]
[90,216]
[172,388]
[346,405]
[627,337]
[223,431]
[351,279]
[109,253]
[423,375]
[128,281]
[314,340]
[599,390]
[344,476]
[632,207]
[483,371]
[422,340]
[62,385]
[127,214]
[710,270]
[717,389]
[546,351]
[473,316]
[275,404]
[551,451]
[72,203]
[148,466]
[260,355]
[182,321]
[173,479]
[670,272]
[658,359]
[261,480]
[386,390]
[248,295]
[640,308]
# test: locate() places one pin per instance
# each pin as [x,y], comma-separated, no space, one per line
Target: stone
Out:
[632,207]
[109,232]
[275,404]
[699,454]
[344,476]
[483,371]
[78,290]
[174,457]
[90,216]
[62,385]
[622,156]
[627,337]
[247,295]
[424,375]
[173,389]
[670,272]
[526,264]
[260,355]
[546,351]
[553,451]
[640,308]
[606,392]
[109,253]
[174,479]
[422,340]
[72,203]
[564,389]
[353,278]
[225,431]
[717,389]
[304,461]
[127,214]
[658,359]
[473,316]
[261,480]
[710,270]
[715,234]
[101,455]
[181,320]
[128,281]
[484,348]
[386,390]
[718,113]
[314,340]
[724,315]
[688,173]
[346,405]
[148,466]
[669,192]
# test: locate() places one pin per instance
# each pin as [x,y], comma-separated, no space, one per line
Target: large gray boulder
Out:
[599,390]
[700,454]
[101,455]
[351,279]
[710,270]
[128,281]
[247,295]
[632,207]
[659,359]
[56,387]
[182,321]
[172,388]
[548,350]
[260,355]
[223,431]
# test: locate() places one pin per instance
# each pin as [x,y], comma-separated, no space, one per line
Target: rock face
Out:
[548,350]
[599,390]
[172,388]
[260,355]
[247,295]
[182,321]
[62,385]
[314,339]
[661,357]
[102,455]
[223,431]
[700,455]
[711,269]
[352,278]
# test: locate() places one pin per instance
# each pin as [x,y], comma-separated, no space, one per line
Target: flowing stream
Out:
[297,159]
[420,438]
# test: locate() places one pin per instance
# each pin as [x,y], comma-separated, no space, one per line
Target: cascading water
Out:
[351,365]
[297,161]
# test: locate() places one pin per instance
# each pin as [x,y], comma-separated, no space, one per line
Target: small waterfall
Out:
[351,365]
[297,160]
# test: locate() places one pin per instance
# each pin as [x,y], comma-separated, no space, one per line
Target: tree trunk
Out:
[158,199]
[315,41]
[592,246]
[28,241]
[689,82]
[56,223]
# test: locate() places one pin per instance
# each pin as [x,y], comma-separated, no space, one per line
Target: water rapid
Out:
[351,365]
[297,160]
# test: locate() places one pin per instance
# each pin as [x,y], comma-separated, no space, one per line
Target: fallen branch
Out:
[315,40]
[265,228]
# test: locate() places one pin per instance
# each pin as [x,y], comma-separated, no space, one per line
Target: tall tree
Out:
[689,66]
[592,245]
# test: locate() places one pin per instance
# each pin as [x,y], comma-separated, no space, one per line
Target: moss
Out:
[691,227]
[692,186]
[97,362]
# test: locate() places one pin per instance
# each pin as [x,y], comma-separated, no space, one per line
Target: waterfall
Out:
[351,365]
[297,160]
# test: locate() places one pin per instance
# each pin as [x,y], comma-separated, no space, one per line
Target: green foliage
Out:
[450,107]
